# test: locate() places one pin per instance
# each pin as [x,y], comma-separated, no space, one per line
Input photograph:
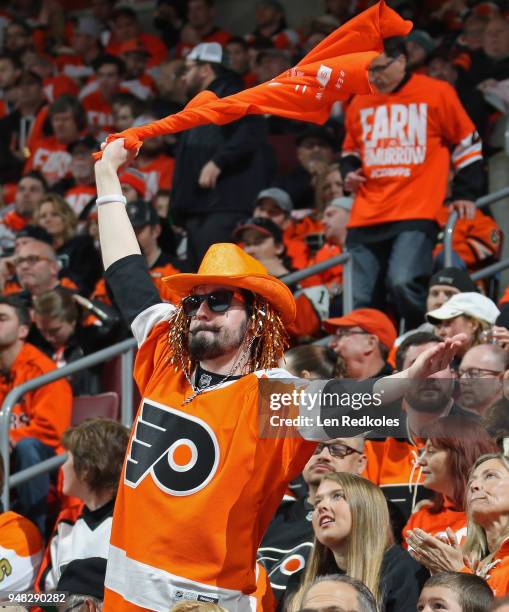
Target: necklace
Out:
[199,390]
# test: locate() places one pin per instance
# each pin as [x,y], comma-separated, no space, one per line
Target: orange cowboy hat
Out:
[227,264]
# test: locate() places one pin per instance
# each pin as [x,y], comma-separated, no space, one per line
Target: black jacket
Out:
[401,580]
[80,262]
[238,148]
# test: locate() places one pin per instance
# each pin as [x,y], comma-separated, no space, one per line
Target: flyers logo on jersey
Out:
[179,452]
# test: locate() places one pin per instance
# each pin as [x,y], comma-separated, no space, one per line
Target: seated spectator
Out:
[154,162]
[83,579]
[79,188]
[263,240]
[58,317]
[271,27]
[97,96]
[54,84]
[85,48]
[319,29]
[269,63]
[486,547]
[338,592]
[49,155]
[453,446]
[136,80]
[238,58]
[455,591]
[276,204]
[168,19]
[469,313]
[17,37]
[481,374]
[350,517]
[329,186]
[311,361]
[335,220]
[10,71]
[125,108]
[22,126]
[29,193]
[125,25]
[362,339]
[22,548]
[315,151]
[38,421]
[200,27]
[80,261]
[392,461]
[133,184]
[91,473]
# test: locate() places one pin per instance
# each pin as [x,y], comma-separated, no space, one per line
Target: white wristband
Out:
[116,197]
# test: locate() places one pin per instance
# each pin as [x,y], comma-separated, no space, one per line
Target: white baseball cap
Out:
[207,52]
[470,304]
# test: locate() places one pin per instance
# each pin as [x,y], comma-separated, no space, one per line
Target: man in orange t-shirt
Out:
[41,416]
[396,160]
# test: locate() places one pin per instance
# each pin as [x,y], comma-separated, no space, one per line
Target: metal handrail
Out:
[124,348]
[489,270]
[346,259]
[491,198]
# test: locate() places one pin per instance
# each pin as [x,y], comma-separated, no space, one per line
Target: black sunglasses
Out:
[217,301]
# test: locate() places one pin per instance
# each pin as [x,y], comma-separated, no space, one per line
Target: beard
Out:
[210,342]
[428,396]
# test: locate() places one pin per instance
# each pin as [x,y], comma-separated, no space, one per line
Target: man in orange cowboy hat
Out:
[200,484]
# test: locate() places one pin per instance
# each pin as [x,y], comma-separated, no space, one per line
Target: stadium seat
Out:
[101,405]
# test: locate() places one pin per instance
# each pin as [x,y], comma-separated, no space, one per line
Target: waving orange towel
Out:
[335,69]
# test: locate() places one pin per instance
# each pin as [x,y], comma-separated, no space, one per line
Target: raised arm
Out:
[116,234]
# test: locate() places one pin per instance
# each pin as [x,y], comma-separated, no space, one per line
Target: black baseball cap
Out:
[454,277]
[318,133]
[87,141]
[261,225]
[141,213]
[36,232]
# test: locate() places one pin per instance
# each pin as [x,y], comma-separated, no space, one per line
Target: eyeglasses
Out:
[31,260]
[478,373]
[217,301]
[380,69]
[343,332]
[336,449]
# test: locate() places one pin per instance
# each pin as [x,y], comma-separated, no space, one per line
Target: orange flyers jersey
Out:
[57,86]
[49,157]
[333,275]
[158,52]
[217,35]
[44,413]
[198,489]
[402,140]
[158,175]
[21,552]
[99,112]
[437,523]
[497,573]
[78,197]
[474,240]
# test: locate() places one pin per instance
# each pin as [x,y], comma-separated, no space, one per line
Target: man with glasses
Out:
[289,537]
[200,482]
[363,339]
[396,140]
[481,372]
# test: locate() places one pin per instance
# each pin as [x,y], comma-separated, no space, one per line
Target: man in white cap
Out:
[469,313]
[220,169]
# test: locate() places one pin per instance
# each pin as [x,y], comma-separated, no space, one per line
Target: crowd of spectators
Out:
[379,181]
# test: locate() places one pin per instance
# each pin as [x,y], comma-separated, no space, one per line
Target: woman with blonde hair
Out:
[486,548]
[353,536]
[78,256]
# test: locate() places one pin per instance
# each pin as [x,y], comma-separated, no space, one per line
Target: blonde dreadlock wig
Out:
[266,336]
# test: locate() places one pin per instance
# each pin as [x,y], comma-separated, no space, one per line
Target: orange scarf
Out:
[334,70]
